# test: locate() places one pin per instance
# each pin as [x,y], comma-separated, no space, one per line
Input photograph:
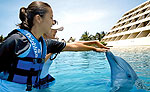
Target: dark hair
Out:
[27,14]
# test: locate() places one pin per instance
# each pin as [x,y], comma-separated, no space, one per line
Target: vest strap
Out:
[26,72]
[29,80]
[23,73]
[34,60]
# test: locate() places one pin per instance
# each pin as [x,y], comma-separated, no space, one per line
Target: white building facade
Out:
[133,28]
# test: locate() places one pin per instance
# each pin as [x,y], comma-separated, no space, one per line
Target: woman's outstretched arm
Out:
[79,46]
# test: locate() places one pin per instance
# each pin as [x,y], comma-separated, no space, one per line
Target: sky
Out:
[76,16]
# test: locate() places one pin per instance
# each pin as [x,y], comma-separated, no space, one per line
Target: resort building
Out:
[133,28]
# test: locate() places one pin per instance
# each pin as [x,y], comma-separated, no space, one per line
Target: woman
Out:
[23,53]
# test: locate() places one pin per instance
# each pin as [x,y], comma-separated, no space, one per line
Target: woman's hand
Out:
[97,43]
[101,50]
[48,56]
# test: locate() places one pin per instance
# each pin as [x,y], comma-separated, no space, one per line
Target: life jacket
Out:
[27,68]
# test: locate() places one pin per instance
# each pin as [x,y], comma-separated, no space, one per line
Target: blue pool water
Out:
[90,71]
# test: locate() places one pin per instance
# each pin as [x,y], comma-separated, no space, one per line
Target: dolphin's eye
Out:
[129,76]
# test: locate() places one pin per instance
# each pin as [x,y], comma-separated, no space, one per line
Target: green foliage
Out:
[87,37]
[104,43]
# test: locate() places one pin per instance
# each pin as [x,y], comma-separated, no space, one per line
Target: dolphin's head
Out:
[122,74]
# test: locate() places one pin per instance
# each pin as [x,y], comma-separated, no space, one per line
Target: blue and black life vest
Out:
[27,68]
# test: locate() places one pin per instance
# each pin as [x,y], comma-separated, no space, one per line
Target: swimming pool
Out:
[90,72]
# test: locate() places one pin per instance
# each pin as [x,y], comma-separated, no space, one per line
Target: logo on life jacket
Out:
[33,44]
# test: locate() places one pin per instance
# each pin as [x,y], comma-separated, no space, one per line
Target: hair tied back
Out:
[23,14]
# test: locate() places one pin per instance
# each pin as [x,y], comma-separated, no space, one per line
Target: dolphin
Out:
[123,77]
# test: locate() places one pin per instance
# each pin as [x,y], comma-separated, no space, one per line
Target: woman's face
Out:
[47,21]
[51,34]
